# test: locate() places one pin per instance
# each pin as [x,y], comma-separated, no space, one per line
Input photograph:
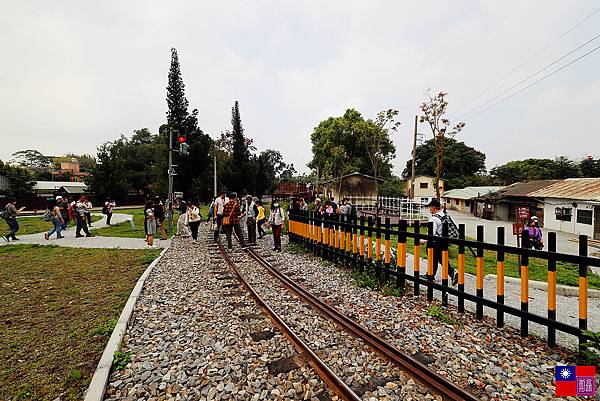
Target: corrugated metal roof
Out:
[571,188]
[469,192]
[524,188]
[56,185]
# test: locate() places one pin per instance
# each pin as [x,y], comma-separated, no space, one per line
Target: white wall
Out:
[550,221]
[429,192]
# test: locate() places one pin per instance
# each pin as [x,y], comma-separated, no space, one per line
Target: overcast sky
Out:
[76,74]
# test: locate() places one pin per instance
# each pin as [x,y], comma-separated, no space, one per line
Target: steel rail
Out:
[447,389]
[326,374]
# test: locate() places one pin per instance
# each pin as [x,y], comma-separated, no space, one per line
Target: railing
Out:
[403,208]
[342,240]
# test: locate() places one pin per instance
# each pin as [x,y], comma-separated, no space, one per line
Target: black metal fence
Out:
[366,243]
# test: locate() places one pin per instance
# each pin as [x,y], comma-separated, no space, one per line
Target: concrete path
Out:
[69,239]
[567,306]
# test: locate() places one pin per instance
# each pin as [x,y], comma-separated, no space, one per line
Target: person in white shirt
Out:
[438,216]
[219,204]
[276,221]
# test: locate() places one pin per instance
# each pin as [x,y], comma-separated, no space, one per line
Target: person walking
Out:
[63,206]
[231,220]
[108,208]
[11,213]
[159,214]
[276,221]
[88,211]
[193,217]
[438,218]
[56,219]
[220,203]
[251,214]
[80,216]
[302,204]
[534,234]
[149,223]
[261,218]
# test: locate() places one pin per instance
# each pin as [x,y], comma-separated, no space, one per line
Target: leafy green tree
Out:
[462,164]
[19,180]
[393,186]
[433,111]
[535,169]
[590,167]
[32,159]
[108,178]
[349,143]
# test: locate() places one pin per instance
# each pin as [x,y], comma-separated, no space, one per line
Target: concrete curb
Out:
[97,387]
[564,290]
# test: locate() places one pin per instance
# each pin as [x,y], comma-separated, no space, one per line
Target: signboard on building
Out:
[522,212]
[517,228]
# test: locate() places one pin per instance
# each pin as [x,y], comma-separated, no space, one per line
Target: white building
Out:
[572,205]
[461,199]
[424,189]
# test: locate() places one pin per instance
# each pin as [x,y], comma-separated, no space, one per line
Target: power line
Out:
[528,78]
[535,82]
[527,60]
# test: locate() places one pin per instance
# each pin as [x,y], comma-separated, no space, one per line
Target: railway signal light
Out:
[181,139]
[184,149]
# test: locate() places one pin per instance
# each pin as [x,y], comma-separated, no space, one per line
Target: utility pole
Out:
[414,161]
[215,174]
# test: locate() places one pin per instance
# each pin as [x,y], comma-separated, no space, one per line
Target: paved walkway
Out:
[69,239]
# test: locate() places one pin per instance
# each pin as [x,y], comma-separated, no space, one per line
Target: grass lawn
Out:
[57,310]
[34,225]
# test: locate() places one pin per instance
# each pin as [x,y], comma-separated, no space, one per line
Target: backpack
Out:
[452,228]
[105,209]
[4,214]
[352,210]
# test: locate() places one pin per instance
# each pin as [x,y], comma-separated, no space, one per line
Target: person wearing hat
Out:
[438,217]
[276,221]
[534,234]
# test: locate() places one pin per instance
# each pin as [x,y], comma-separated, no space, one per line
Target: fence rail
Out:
[366,243]
[403,208]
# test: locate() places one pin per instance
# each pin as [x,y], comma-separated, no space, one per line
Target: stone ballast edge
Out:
[97,387]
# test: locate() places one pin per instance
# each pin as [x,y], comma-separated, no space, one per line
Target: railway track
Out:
[409,366]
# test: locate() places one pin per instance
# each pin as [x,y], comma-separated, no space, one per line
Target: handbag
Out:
[47,216]
[226,220]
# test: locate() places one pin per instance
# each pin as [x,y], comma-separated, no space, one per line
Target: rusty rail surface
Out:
[442,385]
[327,375]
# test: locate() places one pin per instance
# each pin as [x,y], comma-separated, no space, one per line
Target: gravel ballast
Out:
[493,363]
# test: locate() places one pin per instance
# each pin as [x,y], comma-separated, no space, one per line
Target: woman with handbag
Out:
[231,220]
[53,214]
[193,218]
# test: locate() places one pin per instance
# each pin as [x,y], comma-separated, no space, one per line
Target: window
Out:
[584,217]
[457,201]
[563,213]
[467,203]
[423,185]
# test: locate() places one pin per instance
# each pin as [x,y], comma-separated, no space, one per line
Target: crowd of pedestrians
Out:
[227,216]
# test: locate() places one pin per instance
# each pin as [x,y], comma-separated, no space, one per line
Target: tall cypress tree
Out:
[240,155]
[176,101]
[194,176]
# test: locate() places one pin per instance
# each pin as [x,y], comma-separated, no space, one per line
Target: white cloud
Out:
[77,74]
